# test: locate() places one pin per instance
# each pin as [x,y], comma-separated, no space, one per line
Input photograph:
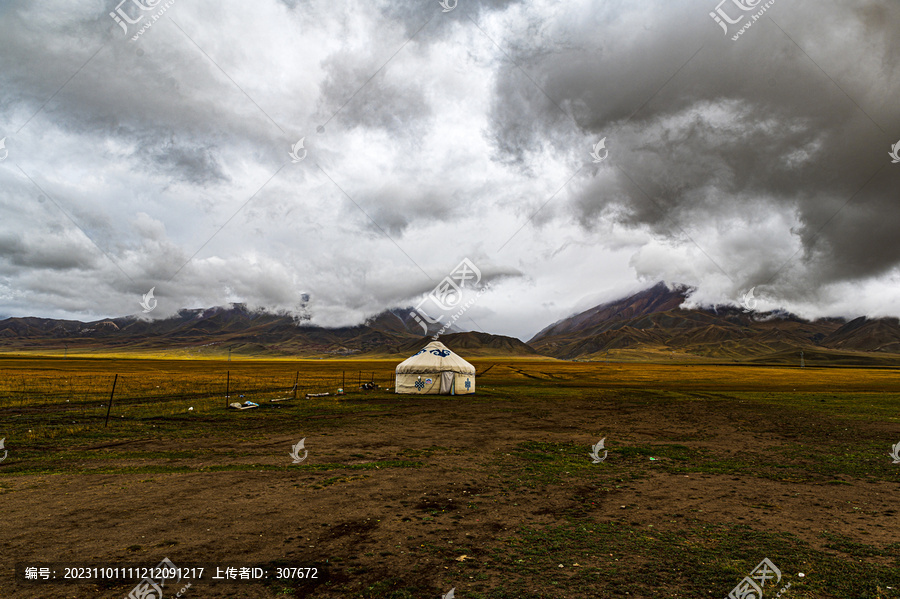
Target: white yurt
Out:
[435,369]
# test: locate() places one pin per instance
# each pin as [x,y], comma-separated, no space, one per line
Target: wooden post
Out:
[109,407]
[296,380]
[227,387]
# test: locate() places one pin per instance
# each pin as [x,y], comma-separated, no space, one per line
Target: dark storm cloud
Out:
[162,97]
[745,126]
[51,252]
[193,164]
[397,204]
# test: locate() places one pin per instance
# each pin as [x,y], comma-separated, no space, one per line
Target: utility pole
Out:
[802,364]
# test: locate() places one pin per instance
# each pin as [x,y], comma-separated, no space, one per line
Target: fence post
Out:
[109,407]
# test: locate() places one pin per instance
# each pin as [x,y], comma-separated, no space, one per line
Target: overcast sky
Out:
[433,134]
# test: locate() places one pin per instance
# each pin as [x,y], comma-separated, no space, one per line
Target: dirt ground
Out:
[481,476]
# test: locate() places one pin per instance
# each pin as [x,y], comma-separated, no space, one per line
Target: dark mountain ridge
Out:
[235,328]
[652,321]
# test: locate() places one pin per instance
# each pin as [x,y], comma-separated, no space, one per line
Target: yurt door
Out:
[447,383]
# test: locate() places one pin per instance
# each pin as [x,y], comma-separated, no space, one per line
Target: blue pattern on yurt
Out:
[420,385]
[443,353]
[468,384]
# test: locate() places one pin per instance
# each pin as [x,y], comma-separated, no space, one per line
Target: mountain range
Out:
[649,325]
[222,330]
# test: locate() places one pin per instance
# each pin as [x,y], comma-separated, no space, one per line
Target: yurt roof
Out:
[434,357]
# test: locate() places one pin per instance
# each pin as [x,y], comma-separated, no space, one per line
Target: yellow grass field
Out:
[709,470]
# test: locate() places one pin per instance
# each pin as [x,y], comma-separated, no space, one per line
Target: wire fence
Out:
[52,391]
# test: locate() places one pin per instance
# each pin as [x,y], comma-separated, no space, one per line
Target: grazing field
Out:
[710,469]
